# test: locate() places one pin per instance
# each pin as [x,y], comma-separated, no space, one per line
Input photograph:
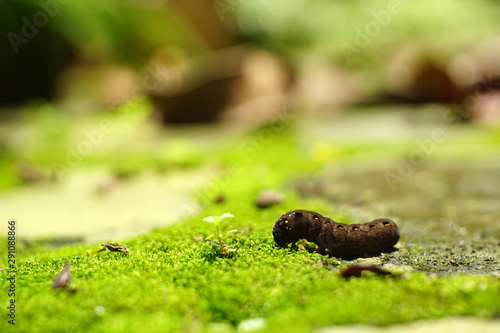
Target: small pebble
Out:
[221,198]
[267,198]
[244,231]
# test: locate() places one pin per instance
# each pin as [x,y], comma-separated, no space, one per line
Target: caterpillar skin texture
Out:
[340,240]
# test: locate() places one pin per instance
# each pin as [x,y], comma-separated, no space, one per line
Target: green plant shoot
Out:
[216,220]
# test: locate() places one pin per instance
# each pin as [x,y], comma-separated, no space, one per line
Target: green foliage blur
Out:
[374,28]
[43,37]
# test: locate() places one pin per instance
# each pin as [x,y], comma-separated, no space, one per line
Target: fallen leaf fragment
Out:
[63,280]
[115,247]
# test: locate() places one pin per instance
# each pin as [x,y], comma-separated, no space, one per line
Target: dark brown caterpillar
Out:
[347,241]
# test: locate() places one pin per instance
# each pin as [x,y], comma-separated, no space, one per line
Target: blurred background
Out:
[94,93]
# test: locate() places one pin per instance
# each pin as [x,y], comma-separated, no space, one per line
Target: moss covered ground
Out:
[173,281]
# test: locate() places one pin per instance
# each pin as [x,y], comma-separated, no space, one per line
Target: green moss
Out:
[173,282]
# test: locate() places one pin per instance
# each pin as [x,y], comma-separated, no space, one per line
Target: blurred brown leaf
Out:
[63,280]
[356,270]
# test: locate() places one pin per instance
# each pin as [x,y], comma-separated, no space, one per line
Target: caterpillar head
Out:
[295,225]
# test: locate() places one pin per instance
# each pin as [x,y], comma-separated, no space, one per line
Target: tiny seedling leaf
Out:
[210,219]
[225,215]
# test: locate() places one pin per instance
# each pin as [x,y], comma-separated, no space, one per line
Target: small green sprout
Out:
[221,246]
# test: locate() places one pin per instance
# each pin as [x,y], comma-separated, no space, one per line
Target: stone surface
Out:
[77,209]
[267,198]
